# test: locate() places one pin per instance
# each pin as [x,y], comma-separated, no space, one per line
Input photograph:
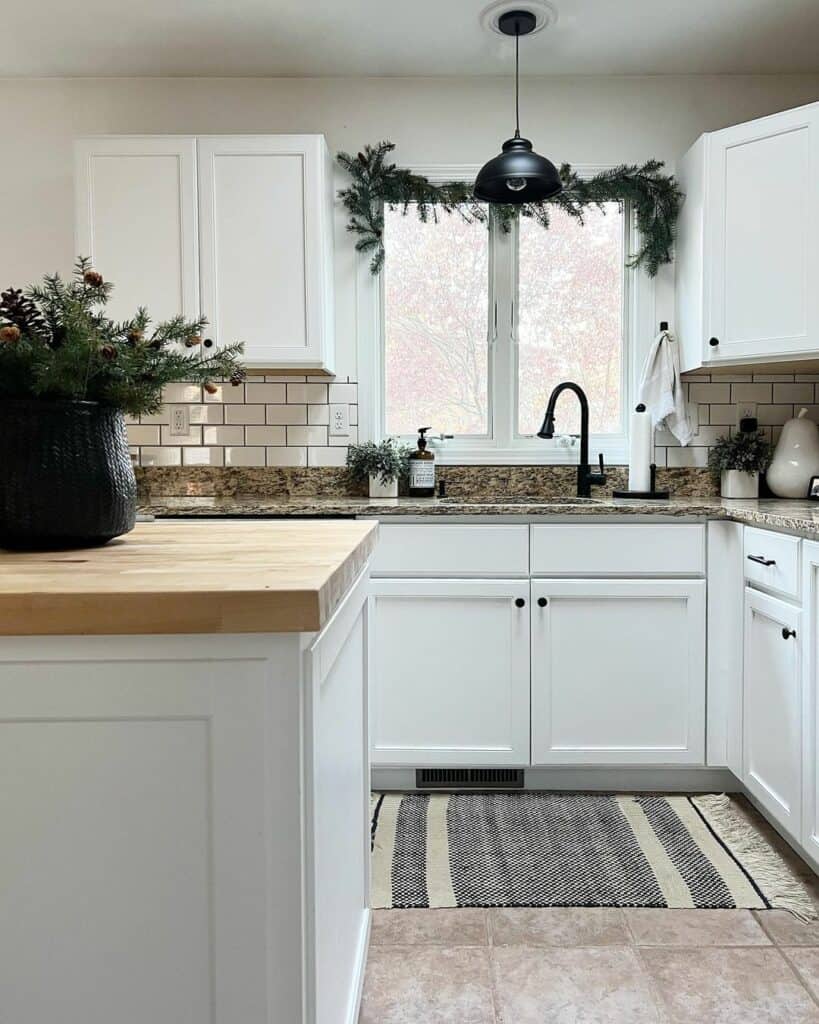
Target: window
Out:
[479,324]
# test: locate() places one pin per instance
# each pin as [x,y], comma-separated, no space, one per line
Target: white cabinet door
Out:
[450,672]
[136,220]
[772,712]
[810,698]
[762,252]
[266,235]
[618,672]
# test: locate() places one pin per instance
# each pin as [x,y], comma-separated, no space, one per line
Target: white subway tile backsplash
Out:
[724,415]
[687,456]
[244,413]
[265,435]
[326,456]
[306,394]
[223,435]
[143,435]
[342,393]
[203,456]
[318,414]
[229,394]
[307,435]
[709,393]
[769,414]
[206,413]
[287,456]
[160,456]
[296,414]
[802,392]
[751,392]
[172,393]
[265,392]
[244,456]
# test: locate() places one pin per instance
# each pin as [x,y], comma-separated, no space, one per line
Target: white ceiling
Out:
[402,37]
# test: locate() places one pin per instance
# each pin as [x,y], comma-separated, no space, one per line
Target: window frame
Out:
[504,445]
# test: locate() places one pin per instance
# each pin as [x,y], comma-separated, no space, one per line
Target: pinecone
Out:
[108,352]
[22,312]
[134,337]
[93,278]
[194,339]
[237,378]
[10,333]
[210,388]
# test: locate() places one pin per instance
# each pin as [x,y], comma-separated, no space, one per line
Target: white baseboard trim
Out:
[653,779]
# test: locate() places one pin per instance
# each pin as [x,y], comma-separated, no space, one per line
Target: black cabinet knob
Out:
[542,602]
[787,632]
[713,342]
[208,342]
[519,602]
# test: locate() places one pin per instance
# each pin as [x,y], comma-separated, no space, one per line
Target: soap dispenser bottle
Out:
[422,469]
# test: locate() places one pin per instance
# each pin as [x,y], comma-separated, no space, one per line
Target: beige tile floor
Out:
[593,966]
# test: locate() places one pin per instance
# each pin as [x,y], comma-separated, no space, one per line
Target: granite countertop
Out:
[800,517]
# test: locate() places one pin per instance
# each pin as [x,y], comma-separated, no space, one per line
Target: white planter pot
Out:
[736,483]
[379,490]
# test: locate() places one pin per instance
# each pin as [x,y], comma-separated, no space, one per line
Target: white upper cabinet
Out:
[136,219]
[237,228]
[265,207]
[747,253]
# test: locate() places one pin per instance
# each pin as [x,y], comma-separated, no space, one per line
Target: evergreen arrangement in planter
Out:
[68,373]
[383,464]
[739,459]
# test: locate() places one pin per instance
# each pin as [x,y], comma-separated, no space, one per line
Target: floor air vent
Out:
[469,778]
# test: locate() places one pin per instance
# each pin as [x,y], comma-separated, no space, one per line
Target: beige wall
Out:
[582,120]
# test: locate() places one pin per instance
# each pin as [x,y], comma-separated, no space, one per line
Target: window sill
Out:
[614,451]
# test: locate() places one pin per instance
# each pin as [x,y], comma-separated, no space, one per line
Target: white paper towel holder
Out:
[653,494]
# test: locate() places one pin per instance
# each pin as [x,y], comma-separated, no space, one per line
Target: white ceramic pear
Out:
[796,458]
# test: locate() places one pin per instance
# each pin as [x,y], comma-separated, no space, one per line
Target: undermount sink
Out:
[517,499]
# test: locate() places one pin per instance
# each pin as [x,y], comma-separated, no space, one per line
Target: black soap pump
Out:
[422,469]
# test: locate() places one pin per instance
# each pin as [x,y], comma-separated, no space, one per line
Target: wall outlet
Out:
[180,421]
[745,411]
[340,420]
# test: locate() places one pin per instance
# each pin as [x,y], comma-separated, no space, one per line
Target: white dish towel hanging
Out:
[661,389]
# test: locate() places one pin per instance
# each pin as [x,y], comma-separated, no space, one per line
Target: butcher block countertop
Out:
[188,577]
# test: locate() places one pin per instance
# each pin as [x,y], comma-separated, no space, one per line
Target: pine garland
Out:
[56,343]
[655,198]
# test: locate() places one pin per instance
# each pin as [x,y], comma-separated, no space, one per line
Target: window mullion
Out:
[503,383]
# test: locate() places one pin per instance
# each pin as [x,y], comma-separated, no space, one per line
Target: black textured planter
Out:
[66,478]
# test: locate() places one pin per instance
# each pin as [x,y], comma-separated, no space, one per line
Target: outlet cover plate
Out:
[339,420]
[746,411]
[180,418]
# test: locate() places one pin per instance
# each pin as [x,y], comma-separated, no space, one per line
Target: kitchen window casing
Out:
[503,442]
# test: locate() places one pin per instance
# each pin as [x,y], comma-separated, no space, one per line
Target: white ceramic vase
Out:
[379,490]
[796,458]
[737,483]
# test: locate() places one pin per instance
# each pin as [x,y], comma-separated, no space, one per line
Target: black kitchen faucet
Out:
[585,477]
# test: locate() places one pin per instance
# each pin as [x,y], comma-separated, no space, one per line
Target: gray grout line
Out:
[797,973]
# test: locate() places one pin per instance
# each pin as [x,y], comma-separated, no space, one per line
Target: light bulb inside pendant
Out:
[518,174]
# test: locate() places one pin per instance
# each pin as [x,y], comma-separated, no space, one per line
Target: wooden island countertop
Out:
[215,576]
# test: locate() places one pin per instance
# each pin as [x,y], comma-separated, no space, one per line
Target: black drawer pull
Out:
[713,342]
[760,560]
[542,602]
[519,602]
[787,632]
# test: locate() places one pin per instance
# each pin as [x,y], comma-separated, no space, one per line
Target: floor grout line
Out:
[796,970]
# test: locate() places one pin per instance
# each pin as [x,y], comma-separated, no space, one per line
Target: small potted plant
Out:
[384,464]
[739,459]
[67,376]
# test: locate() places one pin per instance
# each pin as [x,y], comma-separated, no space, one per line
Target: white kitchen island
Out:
[184,811]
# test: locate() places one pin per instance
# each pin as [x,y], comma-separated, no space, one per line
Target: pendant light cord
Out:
[517,81]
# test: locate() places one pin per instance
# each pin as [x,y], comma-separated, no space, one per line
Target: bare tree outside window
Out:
[436,295]
[570,295]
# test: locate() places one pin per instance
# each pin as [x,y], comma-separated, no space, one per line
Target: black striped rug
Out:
[575,850]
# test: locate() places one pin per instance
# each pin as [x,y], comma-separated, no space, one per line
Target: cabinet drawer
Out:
[771,560]
[631,549]
[426,549]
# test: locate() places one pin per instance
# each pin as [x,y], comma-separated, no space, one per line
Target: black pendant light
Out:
[517,175]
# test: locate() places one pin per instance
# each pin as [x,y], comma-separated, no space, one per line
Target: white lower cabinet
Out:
[810,698]
[449,672]
[772,711]
[618,672]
